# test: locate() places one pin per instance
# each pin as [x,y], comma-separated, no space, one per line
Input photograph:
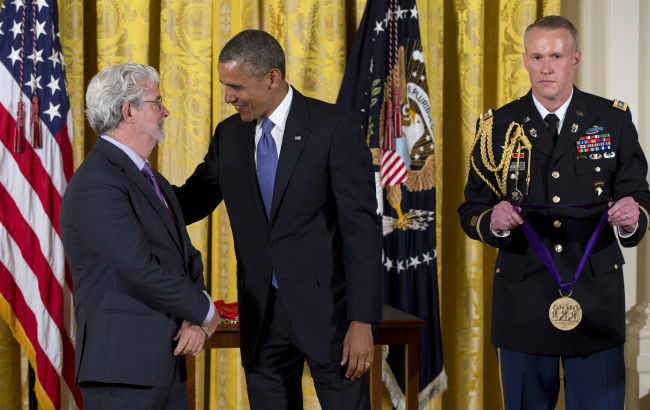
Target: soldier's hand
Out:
[505,217]
[625,213]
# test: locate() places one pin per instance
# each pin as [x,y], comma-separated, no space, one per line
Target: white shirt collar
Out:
[280,115]
[137,159]
[560,112]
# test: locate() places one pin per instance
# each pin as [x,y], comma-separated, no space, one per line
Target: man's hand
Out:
[211,326]
[190,339]
[625,213]
[505,217]
[358,349]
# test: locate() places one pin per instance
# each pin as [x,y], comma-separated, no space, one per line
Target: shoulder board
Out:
[621,105]
[487,115]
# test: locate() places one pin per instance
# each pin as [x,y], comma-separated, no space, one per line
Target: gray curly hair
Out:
[111,88]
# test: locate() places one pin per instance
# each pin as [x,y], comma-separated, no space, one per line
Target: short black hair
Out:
[257,49]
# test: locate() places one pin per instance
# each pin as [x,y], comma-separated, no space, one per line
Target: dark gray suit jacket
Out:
[135,274]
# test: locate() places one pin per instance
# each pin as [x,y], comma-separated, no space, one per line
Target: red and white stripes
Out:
[35,283]
[392,169]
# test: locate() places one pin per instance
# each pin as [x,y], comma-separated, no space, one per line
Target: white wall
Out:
[615,42]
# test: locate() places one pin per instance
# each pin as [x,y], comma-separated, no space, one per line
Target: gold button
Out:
[512,176]
[555,174]
[615,266]
[558,248]
[597,169]
[557,224]
[556,199]
[498,270]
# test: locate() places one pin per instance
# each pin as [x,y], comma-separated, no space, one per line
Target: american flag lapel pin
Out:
[298,137]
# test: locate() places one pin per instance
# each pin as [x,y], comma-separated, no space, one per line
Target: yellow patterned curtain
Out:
[473,51]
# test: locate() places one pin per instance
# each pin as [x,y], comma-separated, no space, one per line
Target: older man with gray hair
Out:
[138,281]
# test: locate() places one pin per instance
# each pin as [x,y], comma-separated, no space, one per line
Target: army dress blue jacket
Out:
[561,174]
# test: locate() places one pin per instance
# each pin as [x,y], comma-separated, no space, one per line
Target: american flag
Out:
[393,168]
[35,167]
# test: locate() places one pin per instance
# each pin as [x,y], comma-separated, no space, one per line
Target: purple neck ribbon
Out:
[546,256]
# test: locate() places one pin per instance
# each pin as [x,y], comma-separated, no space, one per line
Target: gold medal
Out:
[565,313]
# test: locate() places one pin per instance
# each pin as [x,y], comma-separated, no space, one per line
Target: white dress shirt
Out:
[560,113]
[139,162]
[279,118]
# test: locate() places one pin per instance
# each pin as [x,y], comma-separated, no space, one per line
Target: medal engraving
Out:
[565,313]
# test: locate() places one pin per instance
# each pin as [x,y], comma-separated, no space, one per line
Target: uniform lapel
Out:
[246,159]
[291,148]
[534,127]
[116,156]
[577,114]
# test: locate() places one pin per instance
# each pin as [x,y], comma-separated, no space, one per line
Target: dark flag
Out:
[385,84]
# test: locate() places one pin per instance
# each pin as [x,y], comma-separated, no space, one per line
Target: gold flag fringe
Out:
[436,387]
[19,334]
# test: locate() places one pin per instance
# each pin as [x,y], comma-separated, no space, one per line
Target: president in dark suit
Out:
[583,149]
[138,281]
[297,178]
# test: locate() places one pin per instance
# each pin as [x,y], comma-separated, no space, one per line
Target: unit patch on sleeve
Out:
[588,143]
[621,105]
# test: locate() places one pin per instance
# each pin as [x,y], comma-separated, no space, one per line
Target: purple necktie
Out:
[267,164]
[148,173]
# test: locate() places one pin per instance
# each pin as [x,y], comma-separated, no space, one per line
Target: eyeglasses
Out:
[158,103]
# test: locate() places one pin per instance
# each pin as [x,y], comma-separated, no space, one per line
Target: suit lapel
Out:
[246,159]
[534,127]
[577,114]
[116,156]
[291,148]
[136,176]
[172,202]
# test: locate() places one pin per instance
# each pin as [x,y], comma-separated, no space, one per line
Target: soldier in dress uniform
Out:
[557,146]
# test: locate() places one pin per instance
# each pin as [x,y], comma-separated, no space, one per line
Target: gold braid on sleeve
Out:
[515,137]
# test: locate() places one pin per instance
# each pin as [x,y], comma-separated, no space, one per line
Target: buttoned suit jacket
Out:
[523,288]
[323,238]
[135,274]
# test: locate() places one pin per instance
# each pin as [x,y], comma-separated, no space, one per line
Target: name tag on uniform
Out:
[522,166]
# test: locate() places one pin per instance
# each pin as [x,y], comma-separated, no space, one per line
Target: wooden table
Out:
[397,328]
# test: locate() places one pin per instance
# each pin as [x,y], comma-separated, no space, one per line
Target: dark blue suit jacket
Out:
[135,274]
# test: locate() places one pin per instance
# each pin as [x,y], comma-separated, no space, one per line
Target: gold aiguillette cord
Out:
[530,154]
[517,168]
[484,139]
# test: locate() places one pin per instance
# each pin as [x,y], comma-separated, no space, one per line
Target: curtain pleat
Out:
[473,52]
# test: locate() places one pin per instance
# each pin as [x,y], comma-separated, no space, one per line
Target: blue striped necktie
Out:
[267,164]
